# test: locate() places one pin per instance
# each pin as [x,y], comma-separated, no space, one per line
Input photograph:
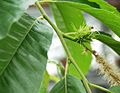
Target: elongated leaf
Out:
[108,40]
[115,89]
[23,56]
[82,1]
[69,19]
[104,5]
[102,14]
[74,85]
[11,11]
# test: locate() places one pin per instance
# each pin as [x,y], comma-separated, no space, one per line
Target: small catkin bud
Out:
[111,74]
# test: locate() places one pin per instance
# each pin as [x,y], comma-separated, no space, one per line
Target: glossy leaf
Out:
[11,11]
[23,56]
[105,5]
[83,1]
[108,40]
[69,19]
[82,58]
[104,15]
[115,89]
[74,85]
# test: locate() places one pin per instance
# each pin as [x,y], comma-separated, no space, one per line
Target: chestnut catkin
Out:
[111,74]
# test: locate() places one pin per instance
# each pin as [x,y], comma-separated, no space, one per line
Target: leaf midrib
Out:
[17,48]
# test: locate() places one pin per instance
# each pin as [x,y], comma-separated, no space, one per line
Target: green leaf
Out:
[74,85]
[69,19]
[83,1]
[45,83]
[23,56]
[11,11]
[13,40]
[108,40]
[102,14]
[115,89]
[82,59]
[105,5]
